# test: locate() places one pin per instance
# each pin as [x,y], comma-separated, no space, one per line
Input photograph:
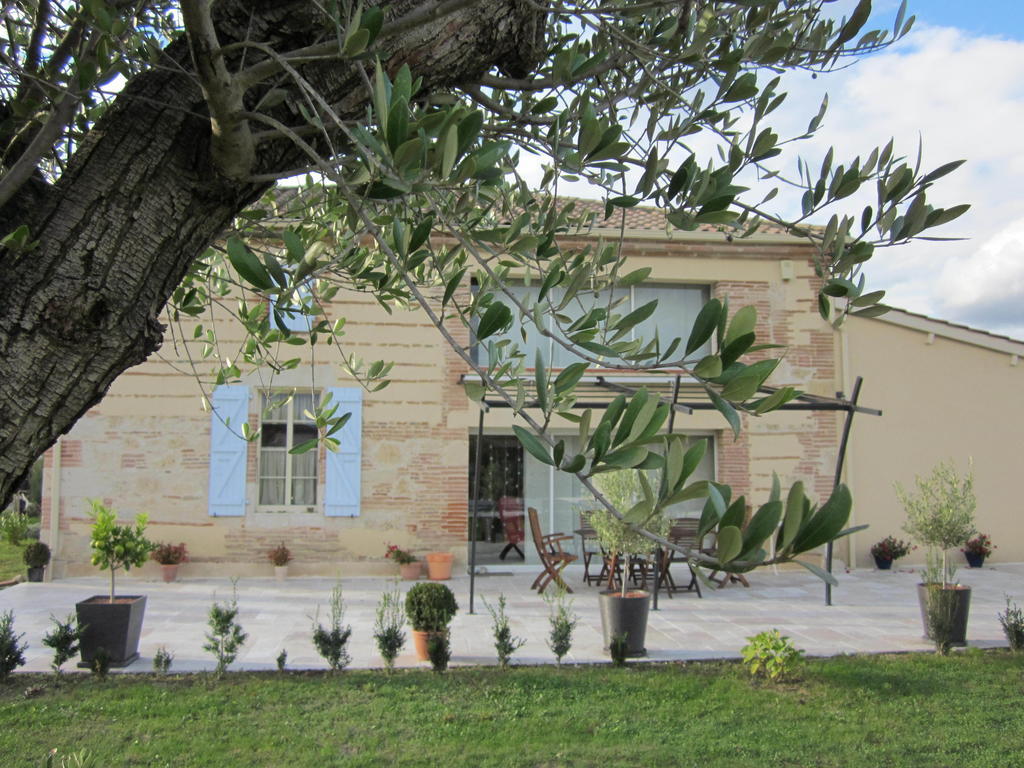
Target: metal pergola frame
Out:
[629,386]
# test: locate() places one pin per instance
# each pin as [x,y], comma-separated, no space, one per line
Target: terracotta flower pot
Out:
[420,641]
[170,572]
[410,571]
[439,565]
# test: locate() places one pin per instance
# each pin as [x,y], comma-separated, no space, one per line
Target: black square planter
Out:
[115,627]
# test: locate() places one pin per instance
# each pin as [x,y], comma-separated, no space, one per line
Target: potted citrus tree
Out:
[624,611]
[430,607]
[111,622]
[36,556]
[940,515]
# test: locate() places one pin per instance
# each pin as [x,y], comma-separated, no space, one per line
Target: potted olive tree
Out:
[430,607]
[624,611]
[36,556]
[940,515]
[111,622]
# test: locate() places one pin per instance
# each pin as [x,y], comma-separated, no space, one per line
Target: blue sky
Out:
[980,17]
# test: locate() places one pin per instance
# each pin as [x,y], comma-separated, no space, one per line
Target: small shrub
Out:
[439,651]
[430,606]
[387,629]
[63,639]
[162,660]
[771,655]
[13,526]
[12,654]
[505,643]
[618,648]
[226,637]
[331,642]
[280,555]
[282,660]
[940,613]
[563,622]
[1012,621]
[170,554]
[36,554]
[100,664]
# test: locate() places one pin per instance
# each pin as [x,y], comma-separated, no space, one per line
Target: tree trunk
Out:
[141,199]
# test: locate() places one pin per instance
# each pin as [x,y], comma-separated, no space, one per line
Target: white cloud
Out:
[963,97]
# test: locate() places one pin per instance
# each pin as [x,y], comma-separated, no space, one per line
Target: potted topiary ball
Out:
[113,622]
[36,556]
[430,607]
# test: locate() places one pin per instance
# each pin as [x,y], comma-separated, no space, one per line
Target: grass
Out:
[914,710]
[11,563]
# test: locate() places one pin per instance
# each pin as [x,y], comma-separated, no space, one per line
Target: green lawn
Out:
[11,563]
[912,710]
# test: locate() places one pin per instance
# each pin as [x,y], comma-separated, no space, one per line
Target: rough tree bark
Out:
[141,199]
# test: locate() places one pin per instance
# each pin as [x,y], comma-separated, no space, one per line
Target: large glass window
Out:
[512,481]
[287,479]
[674,316]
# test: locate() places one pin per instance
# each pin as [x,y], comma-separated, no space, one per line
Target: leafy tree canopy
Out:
[134,134]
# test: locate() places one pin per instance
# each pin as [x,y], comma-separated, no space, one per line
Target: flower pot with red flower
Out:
[408,565]
[888,550]
[170,556]
[977,549]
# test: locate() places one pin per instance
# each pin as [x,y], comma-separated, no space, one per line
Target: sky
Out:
[956,85]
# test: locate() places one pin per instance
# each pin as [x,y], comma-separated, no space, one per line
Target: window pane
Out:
[304,492]
[272,463]
[304,464]
[277,413]
[677,310]
[272,491]
[301,403]
[274,436]
[302,433]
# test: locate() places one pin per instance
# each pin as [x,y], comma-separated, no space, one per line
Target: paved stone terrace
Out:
[872,612]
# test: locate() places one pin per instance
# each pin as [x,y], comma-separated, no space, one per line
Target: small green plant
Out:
[770,654]
[13,526]
[399,555]
[226,637]
[941,513]
[63,639]
[162,660]
[940,614]
[505,643]
[36,554]
[430,606]
[117,546]
[331,642]
[1012,622]
[282,660]
[439,651]
[618,648]
[12,653]
[387,630]
[81,759]
[100,664]
[563,622]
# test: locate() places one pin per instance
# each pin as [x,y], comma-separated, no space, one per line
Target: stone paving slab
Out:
[872,612]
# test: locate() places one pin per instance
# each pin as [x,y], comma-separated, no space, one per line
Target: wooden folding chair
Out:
[552,556]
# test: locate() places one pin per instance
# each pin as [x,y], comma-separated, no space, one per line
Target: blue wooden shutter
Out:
[342,487]
[228,450]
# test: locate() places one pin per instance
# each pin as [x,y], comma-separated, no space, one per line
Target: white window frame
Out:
[318,504]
